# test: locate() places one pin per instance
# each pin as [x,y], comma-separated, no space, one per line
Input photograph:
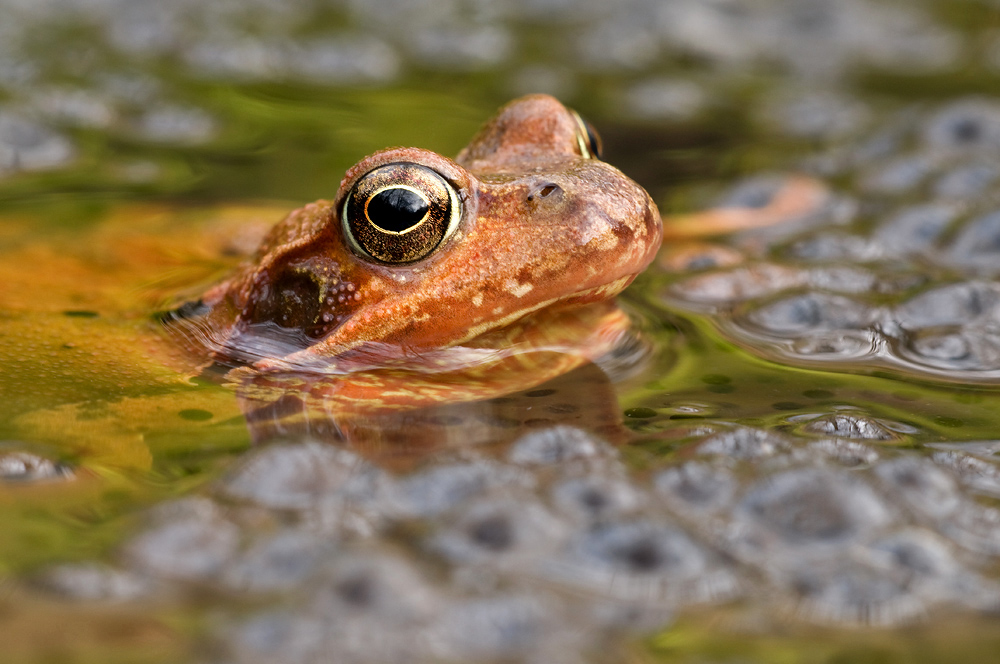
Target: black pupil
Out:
[396,209]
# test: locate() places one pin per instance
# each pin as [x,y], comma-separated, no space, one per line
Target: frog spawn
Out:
[551,546]
[899,272]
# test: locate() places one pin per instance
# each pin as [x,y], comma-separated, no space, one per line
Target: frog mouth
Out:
[266,342]
[595,294]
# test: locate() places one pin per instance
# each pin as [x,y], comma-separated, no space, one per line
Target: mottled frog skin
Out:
[418,252]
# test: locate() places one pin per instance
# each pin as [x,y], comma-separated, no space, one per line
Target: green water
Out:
[78,387]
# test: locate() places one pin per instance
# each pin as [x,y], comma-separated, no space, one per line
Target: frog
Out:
[417,254]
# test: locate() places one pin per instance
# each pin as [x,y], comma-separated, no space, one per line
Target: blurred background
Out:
[231,99]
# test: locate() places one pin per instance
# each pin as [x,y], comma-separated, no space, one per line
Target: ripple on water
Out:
[809,313]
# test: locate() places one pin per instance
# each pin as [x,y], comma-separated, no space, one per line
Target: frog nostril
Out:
[545,191]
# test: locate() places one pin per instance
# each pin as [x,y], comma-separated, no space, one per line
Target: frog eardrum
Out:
[399,213]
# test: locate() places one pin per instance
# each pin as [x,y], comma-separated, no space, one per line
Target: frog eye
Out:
[587,139]
[399,213]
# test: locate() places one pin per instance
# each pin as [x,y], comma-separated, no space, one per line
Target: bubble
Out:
[834,345]
[617,45]
[73,106]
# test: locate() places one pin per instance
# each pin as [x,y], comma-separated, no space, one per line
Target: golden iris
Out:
[400,212]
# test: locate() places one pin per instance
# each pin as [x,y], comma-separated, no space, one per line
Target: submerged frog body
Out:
[418,253]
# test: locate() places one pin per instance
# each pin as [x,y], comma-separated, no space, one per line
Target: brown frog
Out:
[418,253]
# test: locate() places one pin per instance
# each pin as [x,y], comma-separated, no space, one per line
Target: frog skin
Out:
[419,253]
